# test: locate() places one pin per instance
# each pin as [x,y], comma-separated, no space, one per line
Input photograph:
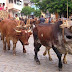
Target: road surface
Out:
[25,62]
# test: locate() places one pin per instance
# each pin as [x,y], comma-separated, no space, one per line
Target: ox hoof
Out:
[4,48]
[65,62]
[44,53]
[60,66]
[50,59]
[1,38]
[37,61]
[14,54]
[8,48]
[24,51]
[60,69]
[4,51]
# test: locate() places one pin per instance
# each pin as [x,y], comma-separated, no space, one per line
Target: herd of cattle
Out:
[51,35]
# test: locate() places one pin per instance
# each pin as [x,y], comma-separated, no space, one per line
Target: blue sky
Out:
[33,6]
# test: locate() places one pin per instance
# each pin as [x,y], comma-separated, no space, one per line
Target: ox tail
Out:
[35,33]
[32,26]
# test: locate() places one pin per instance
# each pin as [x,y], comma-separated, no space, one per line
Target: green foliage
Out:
[37,12]
[35,1]
[27,10]
[53,6]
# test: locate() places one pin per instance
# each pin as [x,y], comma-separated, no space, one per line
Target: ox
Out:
[50,35]
[8,32]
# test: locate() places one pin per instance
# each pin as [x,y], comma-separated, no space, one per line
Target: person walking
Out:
[16,16]
[3,7]
[49,20]
[42,20]
[0,7]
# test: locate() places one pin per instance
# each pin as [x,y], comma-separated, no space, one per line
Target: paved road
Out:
[25,62]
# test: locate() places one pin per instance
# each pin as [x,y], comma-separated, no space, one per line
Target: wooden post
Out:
[67,10]
[63,30]
[63,34]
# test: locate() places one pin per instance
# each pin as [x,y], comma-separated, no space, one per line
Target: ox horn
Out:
[29,31]
[63,26]
[17,31]
[27,26]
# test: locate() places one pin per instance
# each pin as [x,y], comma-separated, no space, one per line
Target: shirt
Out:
[17,18]
[42,20]
[0,8]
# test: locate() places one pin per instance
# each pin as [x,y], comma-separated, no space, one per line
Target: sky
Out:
[33,6]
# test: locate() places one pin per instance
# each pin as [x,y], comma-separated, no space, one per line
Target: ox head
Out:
[67,36]
[27,26]
[25,36]
[24,27]
[22,36]
[29,33]
[32,21]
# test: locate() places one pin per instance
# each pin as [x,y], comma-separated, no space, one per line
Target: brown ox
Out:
[51,36]
[8,33]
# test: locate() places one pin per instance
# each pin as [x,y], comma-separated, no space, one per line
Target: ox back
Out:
[47,33]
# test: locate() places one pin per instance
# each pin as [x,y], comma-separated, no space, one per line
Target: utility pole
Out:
[67,9]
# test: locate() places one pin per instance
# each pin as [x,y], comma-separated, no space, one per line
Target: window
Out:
[19,2]
[15,1]
[10,1]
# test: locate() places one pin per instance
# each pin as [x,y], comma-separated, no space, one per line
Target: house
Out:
[15,6]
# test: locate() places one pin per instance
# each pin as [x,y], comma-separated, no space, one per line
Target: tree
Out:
[35,1]
[55,6]
[37,12]
[27,10]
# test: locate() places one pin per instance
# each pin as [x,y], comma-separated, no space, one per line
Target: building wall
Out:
[15,8]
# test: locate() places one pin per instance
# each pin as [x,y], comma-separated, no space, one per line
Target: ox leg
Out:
[64,59]
[49,55]
[36,49]
[59,55]
[1,36]
[47,49]
[4,43]
[24,50]
[14,48]
[45,52]
[8,42]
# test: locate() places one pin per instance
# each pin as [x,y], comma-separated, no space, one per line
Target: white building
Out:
[15,6]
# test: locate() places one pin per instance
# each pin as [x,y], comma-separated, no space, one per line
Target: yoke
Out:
[3,14]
